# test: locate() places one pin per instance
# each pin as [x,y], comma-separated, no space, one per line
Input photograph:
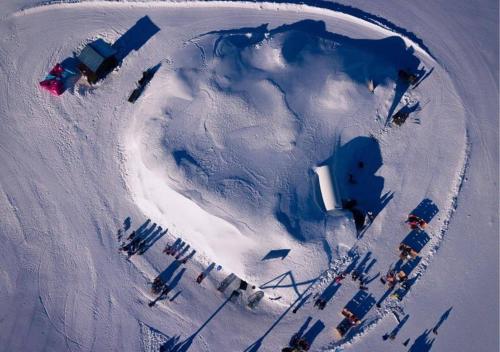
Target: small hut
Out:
[97,59]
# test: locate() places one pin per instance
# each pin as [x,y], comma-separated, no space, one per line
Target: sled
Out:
[255,299]
[226,282]
[200,278]
[205,273]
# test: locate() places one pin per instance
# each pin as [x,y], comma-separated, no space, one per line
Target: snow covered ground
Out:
[247,100]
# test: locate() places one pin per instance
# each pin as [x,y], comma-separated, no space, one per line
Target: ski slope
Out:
[248,99]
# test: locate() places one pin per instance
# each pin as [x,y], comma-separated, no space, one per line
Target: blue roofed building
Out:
[97,59]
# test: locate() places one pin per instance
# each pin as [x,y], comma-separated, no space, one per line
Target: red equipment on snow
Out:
[54,86]
[53,82]
[58,78]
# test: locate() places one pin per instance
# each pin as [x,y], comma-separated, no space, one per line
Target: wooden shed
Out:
[96,60]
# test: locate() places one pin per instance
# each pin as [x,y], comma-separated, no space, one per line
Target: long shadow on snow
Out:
[314,331]
[276,253]
[330,291]
[277,282]
[301,331]
[135,37]
[184,346]
[442,319]
[144,238]
[167,274]
[396,329]
[310,335]
[422,343]
[254,347]
[426,210]
[360,188]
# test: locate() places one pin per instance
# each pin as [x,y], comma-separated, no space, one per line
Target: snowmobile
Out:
[55,81]
[205,273]
[226,282]
[254,299]
[167,248]
[162,296]
[400,117]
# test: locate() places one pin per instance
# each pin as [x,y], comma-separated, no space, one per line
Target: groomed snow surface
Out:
[247,101]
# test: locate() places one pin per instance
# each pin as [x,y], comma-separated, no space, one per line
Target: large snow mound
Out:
[240,119]
[220,149]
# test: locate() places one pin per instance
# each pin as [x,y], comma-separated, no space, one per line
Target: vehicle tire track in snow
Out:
[66,337]
[66,299]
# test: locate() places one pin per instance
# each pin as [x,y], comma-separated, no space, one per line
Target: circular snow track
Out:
[220,149]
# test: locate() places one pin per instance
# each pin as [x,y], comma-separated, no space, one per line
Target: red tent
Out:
[53,82]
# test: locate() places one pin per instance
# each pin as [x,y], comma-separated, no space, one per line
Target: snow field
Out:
[223,137]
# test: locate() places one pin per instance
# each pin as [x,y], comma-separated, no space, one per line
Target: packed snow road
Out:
[218,150]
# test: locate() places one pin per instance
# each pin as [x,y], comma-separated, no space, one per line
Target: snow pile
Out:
[240,136]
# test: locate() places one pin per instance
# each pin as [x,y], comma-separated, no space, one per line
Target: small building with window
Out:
[96,60]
